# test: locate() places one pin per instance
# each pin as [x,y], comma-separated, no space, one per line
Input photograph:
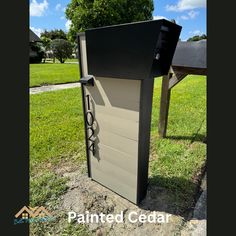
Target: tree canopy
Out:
[197,38]
[47,37]
[62,49]
[86,14]
[46,42]
[54,34]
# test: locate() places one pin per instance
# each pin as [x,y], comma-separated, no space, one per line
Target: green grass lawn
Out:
[57,135]
[53,73]
[56,126]
[178,159]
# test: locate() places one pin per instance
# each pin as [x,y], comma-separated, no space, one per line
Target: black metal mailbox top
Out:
[190,57]
[132,51]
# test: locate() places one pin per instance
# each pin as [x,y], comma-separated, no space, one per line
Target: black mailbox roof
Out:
[125,51]
[190,55]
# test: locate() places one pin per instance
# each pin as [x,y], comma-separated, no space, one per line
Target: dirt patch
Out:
[87,195]
[84,194]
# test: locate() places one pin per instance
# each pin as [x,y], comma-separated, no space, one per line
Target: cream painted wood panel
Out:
[83,53]
[115,106]
[105,92]
[125,114]
[119,89]
[118,142]
[116,125]
[120,159]
[115,184]
[117,172]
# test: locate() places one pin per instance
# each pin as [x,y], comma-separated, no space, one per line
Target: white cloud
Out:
[196,32]
[159,17]
[37,31]
[183,5]
[67,24]
[184,17]
[62,17]
[190,15]
[58,7]
[38,9]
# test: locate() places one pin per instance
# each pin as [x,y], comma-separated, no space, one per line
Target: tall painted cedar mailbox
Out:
[118,65]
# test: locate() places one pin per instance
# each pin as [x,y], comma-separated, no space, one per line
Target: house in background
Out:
[35,52]
[33,37]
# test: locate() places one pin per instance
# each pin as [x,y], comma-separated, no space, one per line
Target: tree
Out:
[62,49]
[86,14]
[47,37]
[197,38]
[54,34]
[46,42]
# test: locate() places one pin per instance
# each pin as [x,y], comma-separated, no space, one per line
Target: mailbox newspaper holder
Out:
[118,65]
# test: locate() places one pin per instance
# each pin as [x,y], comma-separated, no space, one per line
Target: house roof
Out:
[33,37]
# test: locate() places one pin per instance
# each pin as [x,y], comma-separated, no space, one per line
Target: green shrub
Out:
[36,52]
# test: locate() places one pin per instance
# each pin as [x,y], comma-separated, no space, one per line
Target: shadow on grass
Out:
[195,137]
[173,195]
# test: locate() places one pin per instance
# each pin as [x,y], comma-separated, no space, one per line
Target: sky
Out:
[190,14]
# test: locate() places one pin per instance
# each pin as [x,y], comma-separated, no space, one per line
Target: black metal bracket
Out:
[87,80]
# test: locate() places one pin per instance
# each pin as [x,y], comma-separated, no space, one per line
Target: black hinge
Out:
[87,80]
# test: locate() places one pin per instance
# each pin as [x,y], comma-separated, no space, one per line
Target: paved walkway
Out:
[48,88]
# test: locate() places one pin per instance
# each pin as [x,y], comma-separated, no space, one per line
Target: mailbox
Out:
[118,65]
